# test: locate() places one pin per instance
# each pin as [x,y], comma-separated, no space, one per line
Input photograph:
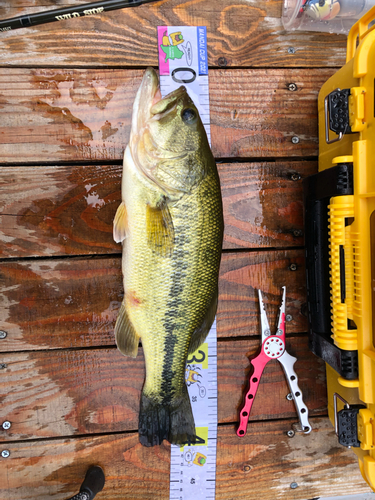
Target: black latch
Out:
[346,426]
[347,431]
[336,106]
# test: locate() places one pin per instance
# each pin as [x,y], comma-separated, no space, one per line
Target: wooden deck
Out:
[66,91]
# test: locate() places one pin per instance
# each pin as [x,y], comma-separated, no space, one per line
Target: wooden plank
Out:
[59,303]
[65,393]
[68,210]
[64,303]
[263,465]
[55,115]
[243,33]
[242,274]
[263,203]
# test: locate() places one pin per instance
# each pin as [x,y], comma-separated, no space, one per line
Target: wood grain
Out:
[247,468]
[244,33]
[65,393]
[60,115]
[68,210]
[242,274]
[263,203]
[71,303]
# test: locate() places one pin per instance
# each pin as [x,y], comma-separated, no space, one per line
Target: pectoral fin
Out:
[160,230]
[201,332]
[120,224]
[127,339]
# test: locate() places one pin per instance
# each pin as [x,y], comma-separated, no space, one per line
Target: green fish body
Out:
[170,222]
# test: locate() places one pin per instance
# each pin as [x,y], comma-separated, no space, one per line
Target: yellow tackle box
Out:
[340,245]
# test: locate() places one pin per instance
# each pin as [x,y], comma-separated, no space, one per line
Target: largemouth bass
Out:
[170,223]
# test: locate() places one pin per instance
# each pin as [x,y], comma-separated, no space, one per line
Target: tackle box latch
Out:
[346,422]
[336,109]
[344,112]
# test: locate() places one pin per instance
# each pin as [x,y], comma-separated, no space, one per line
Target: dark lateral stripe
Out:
[175,305]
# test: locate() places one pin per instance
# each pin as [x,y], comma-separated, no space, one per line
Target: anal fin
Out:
[201,332]
[127,339]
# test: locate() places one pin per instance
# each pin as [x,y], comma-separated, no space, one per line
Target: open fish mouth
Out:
[149,103]
[148,93]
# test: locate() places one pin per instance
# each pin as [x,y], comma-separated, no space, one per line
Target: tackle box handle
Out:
[341,256]
[358,31]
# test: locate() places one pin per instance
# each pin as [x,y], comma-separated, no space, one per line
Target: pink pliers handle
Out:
[258,363]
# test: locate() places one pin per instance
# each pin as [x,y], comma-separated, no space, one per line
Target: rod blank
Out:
[67,13]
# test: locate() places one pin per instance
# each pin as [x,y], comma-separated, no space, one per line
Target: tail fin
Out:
[172,421]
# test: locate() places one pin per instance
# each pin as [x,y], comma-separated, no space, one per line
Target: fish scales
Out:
[172,237]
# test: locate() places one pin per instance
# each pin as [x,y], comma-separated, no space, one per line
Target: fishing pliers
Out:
[273,347]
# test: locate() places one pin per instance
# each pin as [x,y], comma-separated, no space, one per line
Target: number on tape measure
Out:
[194,359]
[198,440]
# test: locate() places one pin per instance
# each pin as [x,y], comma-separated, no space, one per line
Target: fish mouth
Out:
[148,94]
[149,103]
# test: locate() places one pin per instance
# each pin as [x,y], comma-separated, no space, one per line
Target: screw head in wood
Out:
[7,425]
[295,139]
[3,334]
[294,485]
[293,267]
[290,433]
[5,453]
[289,397]
[292,87]
[295,176]
[291,50]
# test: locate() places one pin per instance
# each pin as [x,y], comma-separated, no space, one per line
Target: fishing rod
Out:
[51,16]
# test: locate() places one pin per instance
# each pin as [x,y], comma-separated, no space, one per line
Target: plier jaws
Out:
[273,347]
[264,325]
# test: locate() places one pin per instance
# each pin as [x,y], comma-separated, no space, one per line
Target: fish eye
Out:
[188,115]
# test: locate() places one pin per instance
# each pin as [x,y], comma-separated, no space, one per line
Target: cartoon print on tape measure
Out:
[170,46]
[192,377]
[195,457]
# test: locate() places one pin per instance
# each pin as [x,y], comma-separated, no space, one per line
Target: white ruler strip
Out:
[193,467]
[183,61]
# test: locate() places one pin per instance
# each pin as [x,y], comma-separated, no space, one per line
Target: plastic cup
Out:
[332,16]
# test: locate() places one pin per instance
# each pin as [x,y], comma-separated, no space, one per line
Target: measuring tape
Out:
[193,467]
[183,61]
